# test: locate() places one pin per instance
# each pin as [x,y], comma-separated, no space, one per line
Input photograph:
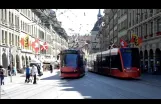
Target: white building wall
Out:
[30,53]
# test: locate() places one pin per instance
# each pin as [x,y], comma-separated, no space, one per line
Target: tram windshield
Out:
[70,60]
[130,57]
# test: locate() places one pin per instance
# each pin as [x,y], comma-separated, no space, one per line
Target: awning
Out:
[49,60]
[34,60]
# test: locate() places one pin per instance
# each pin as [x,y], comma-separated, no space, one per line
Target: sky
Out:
[77,21]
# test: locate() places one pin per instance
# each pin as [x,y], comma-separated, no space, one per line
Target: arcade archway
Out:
[27,60]
[12,59]
[4,60]
[141,60]
[17,62]
[158,60]
[151,60]
[146,61]
[23,61]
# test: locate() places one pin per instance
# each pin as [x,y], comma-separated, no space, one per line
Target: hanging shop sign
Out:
[26,42]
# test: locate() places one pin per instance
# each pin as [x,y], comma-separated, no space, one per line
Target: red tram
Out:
[118,62]
[71,63]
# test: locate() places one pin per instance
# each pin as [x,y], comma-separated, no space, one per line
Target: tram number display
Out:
[127,50]
[69,51]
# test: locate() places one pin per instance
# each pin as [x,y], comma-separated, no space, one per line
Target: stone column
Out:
[153,27]
[148,30]
[154,60]
[20,59]
[148,62]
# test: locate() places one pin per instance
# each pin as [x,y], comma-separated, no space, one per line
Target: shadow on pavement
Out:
[76,85]
[86,88]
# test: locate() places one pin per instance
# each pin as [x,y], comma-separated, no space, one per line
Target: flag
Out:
[133,38]
[35,45]
[136,40]
[123,43]
[30,43]
[26,42]
[140,41]
[22,41]
[44,46]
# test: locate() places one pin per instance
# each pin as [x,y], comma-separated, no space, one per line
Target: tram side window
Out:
[104,61]
[107,61]
[98,61]
[116,62]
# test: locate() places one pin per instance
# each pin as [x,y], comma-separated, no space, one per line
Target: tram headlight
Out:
[75,70]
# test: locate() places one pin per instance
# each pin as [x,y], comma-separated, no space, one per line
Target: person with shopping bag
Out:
[34,73]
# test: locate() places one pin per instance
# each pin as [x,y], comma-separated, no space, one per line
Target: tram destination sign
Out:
[127,50]
[70,51]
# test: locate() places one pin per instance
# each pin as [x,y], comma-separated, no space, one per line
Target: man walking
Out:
[38,69]
[34,72]
[27,74]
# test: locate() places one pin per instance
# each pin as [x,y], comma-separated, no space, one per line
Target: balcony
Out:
[158,33]
[151,35]
[145,36]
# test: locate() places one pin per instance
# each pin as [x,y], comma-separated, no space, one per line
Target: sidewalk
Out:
[153,79]
[18,87]
[20,78]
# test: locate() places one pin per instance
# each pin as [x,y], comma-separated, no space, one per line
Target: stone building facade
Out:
[39,24]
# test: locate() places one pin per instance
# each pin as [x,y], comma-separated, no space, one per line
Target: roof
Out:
[97,24]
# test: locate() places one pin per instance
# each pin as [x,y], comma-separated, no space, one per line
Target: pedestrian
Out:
[34,73]
[27,74]
[9,70]
[51,68]
[39,70]
[2,71]
[14,70]
[57,64]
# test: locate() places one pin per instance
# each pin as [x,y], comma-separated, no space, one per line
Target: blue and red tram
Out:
[118,62]
[71,63]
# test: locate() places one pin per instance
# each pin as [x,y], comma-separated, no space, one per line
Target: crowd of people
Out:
[31,73]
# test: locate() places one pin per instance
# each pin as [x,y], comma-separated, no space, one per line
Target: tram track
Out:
[142,81]
[126,91]
[150,83]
